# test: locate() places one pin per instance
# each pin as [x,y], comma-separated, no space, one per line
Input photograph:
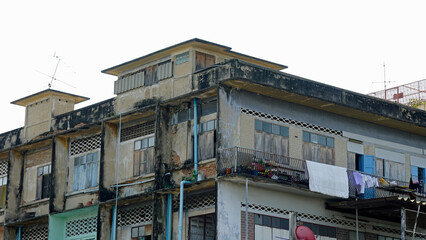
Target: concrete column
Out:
[292,226]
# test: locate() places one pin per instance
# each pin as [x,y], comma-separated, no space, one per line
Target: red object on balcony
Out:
[304,233]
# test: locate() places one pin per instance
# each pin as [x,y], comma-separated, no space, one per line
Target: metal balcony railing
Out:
[253,162]
[387,188]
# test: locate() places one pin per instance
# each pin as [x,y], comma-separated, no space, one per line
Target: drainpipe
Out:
[169,217]
[18,236]
[181,207]
[182,183]
[195,140]
[117,172]
[113,223]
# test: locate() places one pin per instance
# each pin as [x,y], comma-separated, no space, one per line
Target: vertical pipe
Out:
[195,140]
[169,217]
[113,223]
[246,209]
[356,222]
[18,236]
[402,223]
[182,183]
[117,171]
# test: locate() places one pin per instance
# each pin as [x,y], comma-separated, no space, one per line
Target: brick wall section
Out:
[208,170]
[250,225]
[370,236]
[342,234]
[38,157]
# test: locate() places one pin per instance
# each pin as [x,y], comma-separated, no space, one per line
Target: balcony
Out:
[280,168]
[387,188]
[283,169]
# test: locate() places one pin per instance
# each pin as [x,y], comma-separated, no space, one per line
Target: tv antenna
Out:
[49,85]
[384,79]
[56,68]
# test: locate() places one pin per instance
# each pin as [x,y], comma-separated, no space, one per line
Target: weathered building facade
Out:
[238,147]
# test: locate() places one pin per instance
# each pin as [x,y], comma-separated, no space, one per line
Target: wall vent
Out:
[86,144]
[291,122]
[134,215]
[136,131]
[38,232]
[81,226]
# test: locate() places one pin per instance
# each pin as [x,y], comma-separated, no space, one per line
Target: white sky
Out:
[341,43]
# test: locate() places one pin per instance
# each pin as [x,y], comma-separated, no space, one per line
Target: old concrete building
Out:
[202,142]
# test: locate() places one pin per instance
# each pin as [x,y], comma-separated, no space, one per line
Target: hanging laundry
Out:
[361,181]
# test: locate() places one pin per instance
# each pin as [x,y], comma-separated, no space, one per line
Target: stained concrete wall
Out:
[107,173]
[231,195]
[236,129]
[59,174]
[13,197]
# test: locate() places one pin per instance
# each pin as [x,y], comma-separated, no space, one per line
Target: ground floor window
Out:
[202,227]
[141,233]
[270,228]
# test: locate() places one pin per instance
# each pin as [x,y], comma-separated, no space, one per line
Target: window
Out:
[418,175]
[182,58]
[43,182]
[203,60]
[207,140]
[151,75]
[3,185]
[164,70]
[390,169]
[318,148]
[85,171]
[204,109]
[268,227]
[143,156]
[352,235]
[271,138]
[386,238]
[141,233]
[321,230]
[202,227]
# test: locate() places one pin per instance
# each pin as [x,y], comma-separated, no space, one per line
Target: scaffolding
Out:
[411,94]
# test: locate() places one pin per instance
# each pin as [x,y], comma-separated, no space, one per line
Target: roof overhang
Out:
[287,87]
[46,93]
[388,208]
[193,43]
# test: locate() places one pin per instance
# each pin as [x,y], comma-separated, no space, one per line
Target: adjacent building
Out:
[201,142]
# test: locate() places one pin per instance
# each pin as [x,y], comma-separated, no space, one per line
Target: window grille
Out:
[134,215]
[196,201]
[302,216]
[81,226]
[136,131]
[292,122]
[3,167]
[85,144]
[38,232]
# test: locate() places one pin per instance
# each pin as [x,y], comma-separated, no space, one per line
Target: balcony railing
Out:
[253,162]
[387,188]
[238,160]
